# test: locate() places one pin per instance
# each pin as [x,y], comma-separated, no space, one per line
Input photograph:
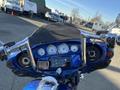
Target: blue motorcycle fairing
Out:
[68,72]
[102,47]
[13,64]
[12,59]
[33,73]
[76,59]
[101,63]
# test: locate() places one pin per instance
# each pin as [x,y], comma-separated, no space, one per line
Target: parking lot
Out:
[13,28]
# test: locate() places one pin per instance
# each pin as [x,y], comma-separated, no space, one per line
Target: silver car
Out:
[53,17]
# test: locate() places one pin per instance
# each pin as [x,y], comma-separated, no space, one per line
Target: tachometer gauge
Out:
[74,48]
[51,50]
[41,52]
[63,48]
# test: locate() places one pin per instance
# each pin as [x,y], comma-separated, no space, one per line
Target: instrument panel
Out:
[64,54]
[57,48]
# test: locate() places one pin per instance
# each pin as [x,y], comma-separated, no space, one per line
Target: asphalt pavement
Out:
[14,28]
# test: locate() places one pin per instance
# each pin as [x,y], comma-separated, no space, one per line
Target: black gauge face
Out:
[93,53]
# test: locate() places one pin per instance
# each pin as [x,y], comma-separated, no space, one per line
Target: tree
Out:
[118,20]
[96,18]
[75,14]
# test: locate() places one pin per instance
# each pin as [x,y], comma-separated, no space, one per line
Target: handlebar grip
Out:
[2,54]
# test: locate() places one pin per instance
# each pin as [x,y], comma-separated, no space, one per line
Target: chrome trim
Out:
[89,34]
[31,55]
[84,50]
[83,47]
[17,45]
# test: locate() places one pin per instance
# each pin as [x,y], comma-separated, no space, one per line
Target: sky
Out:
[109,9]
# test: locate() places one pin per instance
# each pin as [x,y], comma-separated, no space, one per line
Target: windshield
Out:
[55,33]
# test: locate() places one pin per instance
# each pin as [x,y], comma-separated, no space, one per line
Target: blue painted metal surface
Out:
[76,59]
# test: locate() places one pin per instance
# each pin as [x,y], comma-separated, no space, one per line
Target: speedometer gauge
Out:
[63,48]
[74,48]
[41,52]
[51,50]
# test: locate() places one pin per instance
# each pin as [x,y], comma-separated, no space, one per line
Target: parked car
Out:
[53,17]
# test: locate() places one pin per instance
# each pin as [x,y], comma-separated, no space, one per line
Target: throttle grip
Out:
[2,54]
